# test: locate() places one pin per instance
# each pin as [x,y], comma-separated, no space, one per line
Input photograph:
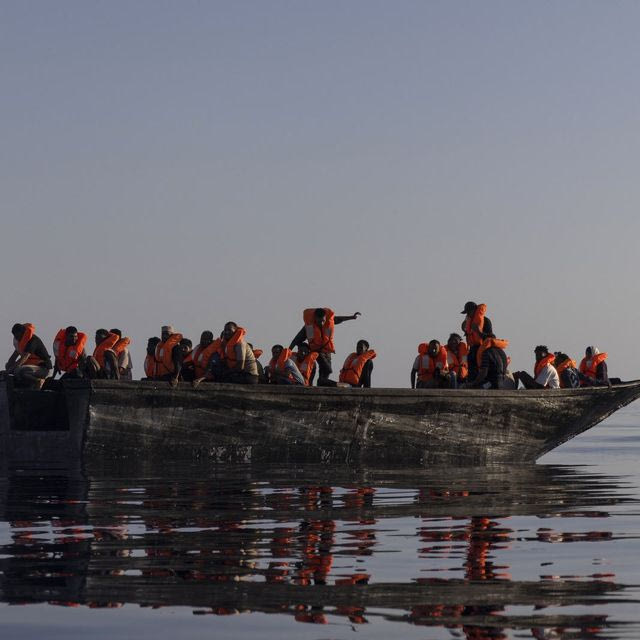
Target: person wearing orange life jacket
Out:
[202,355]
[103,364]
[318,330]
[30,361]
[457,360]
[282,369]
[121,349]
[545,375]
[476,327]
[239,363]
[492,364]
[567,371]
[168,355]
[187,369]
[430,367]
[593,369]
[358,366]
[305,360]
[150,358]
[69,352]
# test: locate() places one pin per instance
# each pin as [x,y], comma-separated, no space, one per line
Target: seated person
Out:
[30,361]
[430,367]
[305,360]
[186,370]
[168,356]
[567,371]
[282,369]
[261,373]
[150,358]
[238,362]
[492,363]
[121,349]
[202,354]
[358,366]
[103,364]
[457,352]
[545,375]
[68,349]
[593,369]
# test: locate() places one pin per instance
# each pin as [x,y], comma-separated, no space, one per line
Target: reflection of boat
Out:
[264,423]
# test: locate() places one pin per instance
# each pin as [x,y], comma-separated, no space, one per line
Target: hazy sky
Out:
[196,162]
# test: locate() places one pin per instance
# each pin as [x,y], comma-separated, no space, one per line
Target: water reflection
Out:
[413,546]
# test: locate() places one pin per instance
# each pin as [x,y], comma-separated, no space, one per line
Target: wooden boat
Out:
[97,419]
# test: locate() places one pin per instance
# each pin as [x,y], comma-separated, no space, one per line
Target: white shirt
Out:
[548,377]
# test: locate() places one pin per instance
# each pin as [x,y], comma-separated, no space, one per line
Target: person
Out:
[69,353]
[150,358]
[457,359]
[305,360]
[593,368]
[430,367]
[282,369]
[30,361]
[358,366]
[121,349]
[239,363]
[104,362]
[318,330]
[492,365]
[202,354]
[186,370]
[262,377]
[168,355]
[567,371]
[545,375]
[476,327]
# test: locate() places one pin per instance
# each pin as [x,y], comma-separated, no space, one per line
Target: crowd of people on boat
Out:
[472,359]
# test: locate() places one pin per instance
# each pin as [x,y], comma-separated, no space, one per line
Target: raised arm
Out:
[299,338]
[341,319]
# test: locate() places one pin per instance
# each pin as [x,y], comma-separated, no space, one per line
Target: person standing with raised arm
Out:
[318,330]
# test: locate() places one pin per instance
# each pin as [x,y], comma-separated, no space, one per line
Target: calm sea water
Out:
[191,551]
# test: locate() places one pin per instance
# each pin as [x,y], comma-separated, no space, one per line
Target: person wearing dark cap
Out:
[476,327]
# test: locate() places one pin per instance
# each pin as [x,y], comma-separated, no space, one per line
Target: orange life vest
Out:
[29,332]
[277,366]
[68,356]
[487,343]
[228,349]
[150,366]
[202,356]
[539,366]
[106,345]
[428,364]
[306,366]
[164,352]
[320,338]
[121,345]
[353,366]
[257,353]
[589,367]
[473,337]
[457,362]
[565,365]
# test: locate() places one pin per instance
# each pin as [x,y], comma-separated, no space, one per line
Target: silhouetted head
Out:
[229,329]
[71,336]
[152,343]
[434,348]
[362,346]
[303,350]
[185,346]
[276,350]
[319,316]
[541,351]
[117,332]
[454,341]
[18,330]
[469,308]
[206,338]
[166,331]
[591,351]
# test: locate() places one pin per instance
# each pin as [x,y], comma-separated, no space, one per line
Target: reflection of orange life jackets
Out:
[202,356]
[106,345]
[487,344]
[164,355]
[68,356]
[427,364]
[320,338]
[277,366]
[539,366]
[589,367]
[353,366]
[306,366]
[29,332]
[473,337]
[150,366]
[457,362]
[229,349]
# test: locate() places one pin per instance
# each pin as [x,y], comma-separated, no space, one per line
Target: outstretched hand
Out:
[356,314]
